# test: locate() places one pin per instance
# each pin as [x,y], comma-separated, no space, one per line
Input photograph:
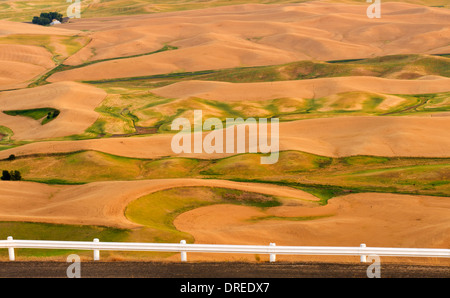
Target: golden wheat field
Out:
[87,110]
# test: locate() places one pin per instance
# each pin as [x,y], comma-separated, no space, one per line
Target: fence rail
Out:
[96,246]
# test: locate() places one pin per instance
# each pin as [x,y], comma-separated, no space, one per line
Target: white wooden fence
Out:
[96,246]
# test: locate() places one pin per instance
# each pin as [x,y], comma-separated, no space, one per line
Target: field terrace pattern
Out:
[364,106]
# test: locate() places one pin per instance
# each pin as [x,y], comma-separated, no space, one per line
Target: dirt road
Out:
[216,270]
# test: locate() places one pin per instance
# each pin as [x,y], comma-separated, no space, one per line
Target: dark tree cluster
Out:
[11,176]
[46,18]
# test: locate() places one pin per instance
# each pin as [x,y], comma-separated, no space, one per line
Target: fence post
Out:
[273,256]
[96,251]
[363,257]
[12,257]
[183,253]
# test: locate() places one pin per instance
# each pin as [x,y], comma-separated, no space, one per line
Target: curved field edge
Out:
[158,210]
[139,113]
[397,66]
[155,211]
[127,114]
[325,177]
[42,80]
